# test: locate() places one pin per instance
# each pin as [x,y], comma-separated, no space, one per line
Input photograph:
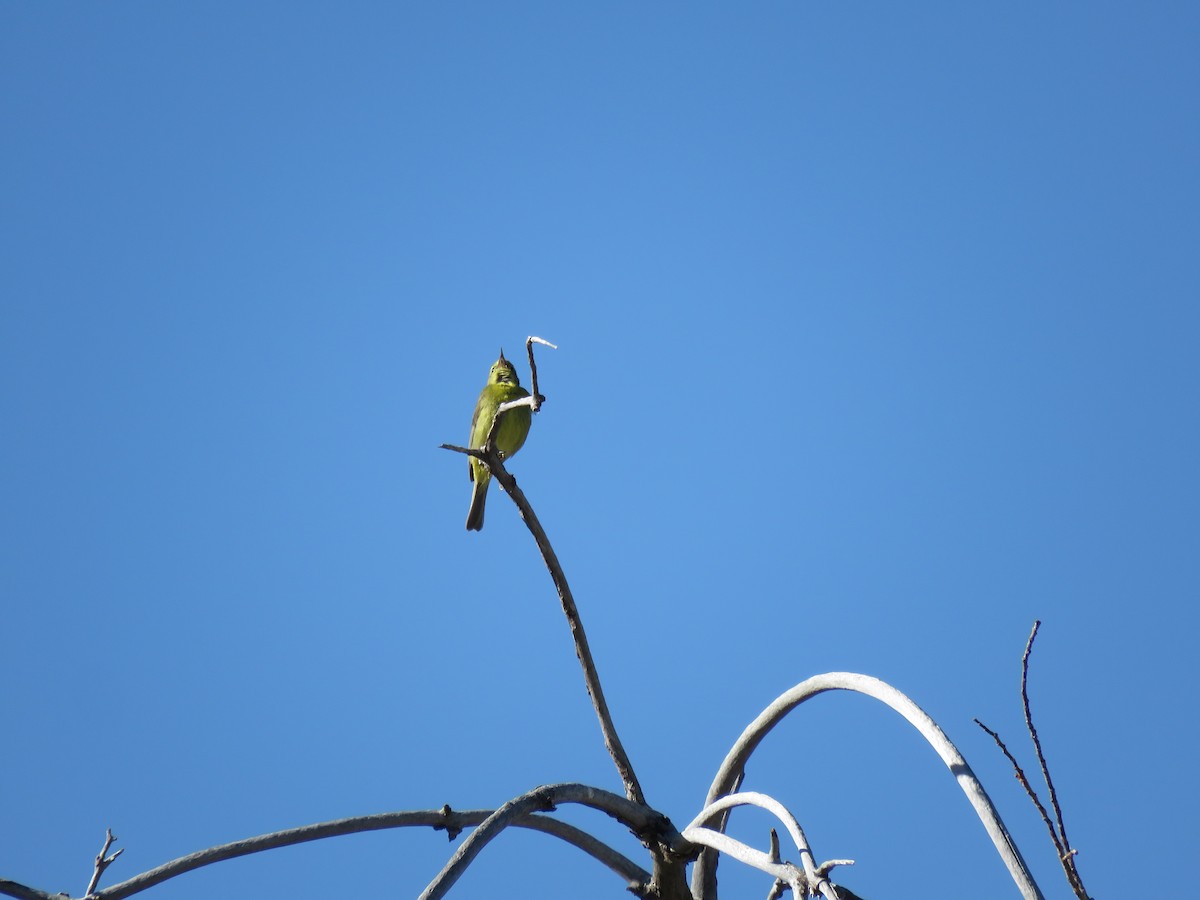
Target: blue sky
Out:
[878,334]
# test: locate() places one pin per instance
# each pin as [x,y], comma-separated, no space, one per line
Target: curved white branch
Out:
[744,853]
[815,877]
[704,875]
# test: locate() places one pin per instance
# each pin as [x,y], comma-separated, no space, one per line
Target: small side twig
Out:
[810,878]
[538,399]
[1037,744]
[103,861]
[778,886]
[1024,781]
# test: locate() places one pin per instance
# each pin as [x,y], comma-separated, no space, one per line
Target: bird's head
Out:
[503,372]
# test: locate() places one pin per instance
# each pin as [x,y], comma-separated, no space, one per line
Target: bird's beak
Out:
[502,354]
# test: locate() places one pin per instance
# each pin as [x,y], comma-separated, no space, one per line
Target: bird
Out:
[502,386]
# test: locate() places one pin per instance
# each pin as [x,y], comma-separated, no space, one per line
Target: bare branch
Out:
[651,827]
[618,862]
[1066,853]
[1037,744]
[446,819]
[815,877]
[704,874]
[633,789]
[491,458]
[16,889]
[782,871]
[633,874]
[263,842]
[102,861]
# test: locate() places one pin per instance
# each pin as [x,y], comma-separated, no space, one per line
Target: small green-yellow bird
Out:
[502,386]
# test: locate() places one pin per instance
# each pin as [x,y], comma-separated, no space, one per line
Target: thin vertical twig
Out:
[1066,855]
[538,399]
[1037,744]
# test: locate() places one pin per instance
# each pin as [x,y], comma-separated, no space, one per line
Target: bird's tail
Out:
[478,500]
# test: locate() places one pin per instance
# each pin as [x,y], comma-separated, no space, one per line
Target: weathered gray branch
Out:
[810,879]
[591,678]
[651,827]
[445,819]
[20,891]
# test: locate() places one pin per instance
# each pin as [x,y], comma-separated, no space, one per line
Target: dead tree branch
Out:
[20,891]
[445,819]
[651,827]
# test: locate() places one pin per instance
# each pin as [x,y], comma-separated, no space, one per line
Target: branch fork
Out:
[102,861]
[808,879]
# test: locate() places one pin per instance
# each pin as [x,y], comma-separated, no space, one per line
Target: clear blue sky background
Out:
[879,340]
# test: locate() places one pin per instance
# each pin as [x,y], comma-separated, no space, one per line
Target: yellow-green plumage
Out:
[502,386]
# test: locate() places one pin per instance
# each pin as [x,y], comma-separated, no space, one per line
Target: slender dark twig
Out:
[538,399]
[1037,744]
[102,861]
[1029,791]
[1066,855]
